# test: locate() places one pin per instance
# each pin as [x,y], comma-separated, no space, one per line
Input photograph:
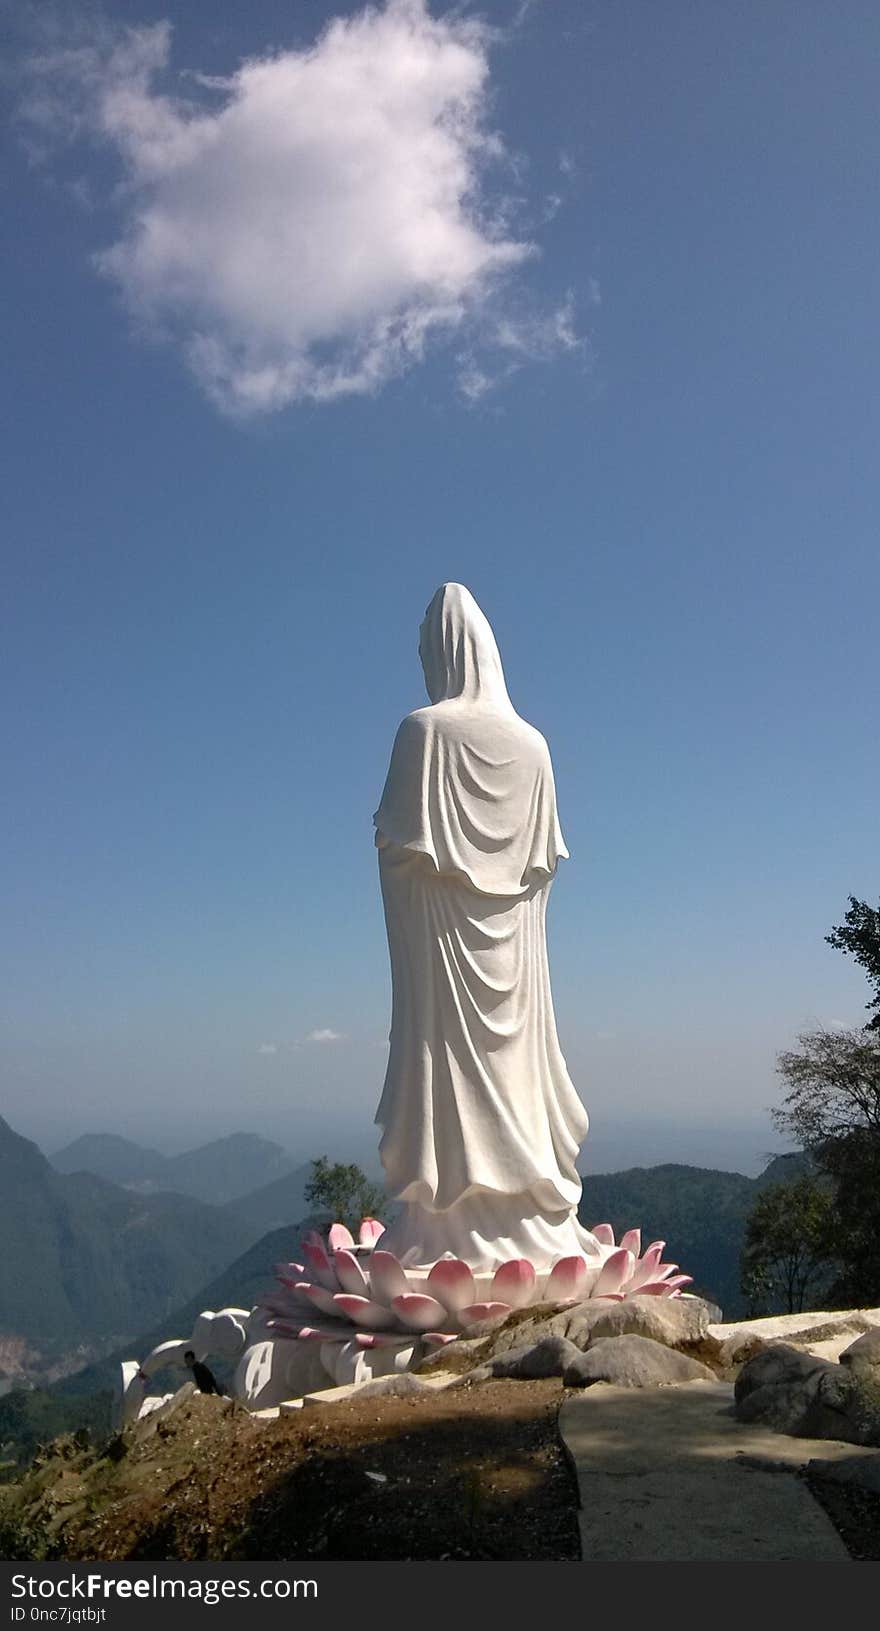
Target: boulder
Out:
[675,1322]
[796,1393]
[633,1361]
[547,1357]
[862,1357]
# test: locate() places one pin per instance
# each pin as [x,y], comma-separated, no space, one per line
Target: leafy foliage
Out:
[833,1109]
[788,1251]
[30,1417]
[859,937]
[345,1191]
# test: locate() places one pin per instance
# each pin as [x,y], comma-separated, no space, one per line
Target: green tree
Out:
[343,1191]
[832,1109]
[788,1251]
[859,937]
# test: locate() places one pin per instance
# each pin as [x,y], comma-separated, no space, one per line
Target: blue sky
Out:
[603,347]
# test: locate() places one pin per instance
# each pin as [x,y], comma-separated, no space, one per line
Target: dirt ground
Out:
[855,1514]
[478,1474]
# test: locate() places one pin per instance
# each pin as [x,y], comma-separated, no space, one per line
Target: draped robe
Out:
[481,1122]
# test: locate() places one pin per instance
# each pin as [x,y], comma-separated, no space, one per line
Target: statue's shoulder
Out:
[414,726]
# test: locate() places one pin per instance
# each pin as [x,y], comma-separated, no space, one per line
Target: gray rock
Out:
[633,1361]
[740,1347]
[675,1322]
[779,1364]
[549,1357]
[862,1357]
[796,1393]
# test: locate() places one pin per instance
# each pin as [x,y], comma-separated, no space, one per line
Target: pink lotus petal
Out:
[276,1305]
[288,1273]
[320,1265]
[370,1231]
[645,1268]
[483,1311]
[339,1238]
[632,1240]
[656,1245]
[314,1333]
[349,1273]
[679,1280]
[674,1294]
[514,1283]
[614,1273]
[378,1339]
[361,1311]
[437,1339]
[566,1281]
[418,1312]
[452,1283]
[318,1295]
[387,1278]
[610,1297]
[654,1288]
[603,1232]
[663,1271]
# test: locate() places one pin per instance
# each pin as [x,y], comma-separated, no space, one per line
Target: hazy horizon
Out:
[737,1146]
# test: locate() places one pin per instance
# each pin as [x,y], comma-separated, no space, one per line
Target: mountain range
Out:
[224,1170]
[85,1262]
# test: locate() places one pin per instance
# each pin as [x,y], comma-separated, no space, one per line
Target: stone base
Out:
[275,1370]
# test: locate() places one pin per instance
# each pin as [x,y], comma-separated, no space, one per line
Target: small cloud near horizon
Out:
[267,1048]
[324,1035]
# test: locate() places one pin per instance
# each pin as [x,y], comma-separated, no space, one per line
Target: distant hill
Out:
[111,1157]
[224,1170]
[273,1205]
[786,1169]
[84,1262]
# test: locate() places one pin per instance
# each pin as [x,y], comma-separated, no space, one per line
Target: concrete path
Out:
[669,1475]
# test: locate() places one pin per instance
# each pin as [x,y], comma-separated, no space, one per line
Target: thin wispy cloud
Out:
[307,227]
[267,1049]
[324,1035]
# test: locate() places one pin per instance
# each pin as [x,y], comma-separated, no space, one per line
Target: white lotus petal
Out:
[514,1283]
[362,1312]
[614,1273]
[320,1265]
[349,1273]
[567,1280]
[321,1298]
[484,1311]
[452,1283]
[387,1278]
[418,1312]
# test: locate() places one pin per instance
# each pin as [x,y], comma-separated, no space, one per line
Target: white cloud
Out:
[325,1035]
[508,343]
[302,229]
[268,1049]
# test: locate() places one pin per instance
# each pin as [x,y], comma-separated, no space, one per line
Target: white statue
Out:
[481,1122]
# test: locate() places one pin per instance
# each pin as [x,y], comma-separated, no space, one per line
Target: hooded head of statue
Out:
[459,654]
